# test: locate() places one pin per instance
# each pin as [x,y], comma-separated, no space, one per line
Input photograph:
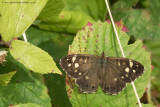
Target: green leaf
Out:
[27,105]
[142,23]
[56,44]
[101,35]
[25,87]
[17,15]
[67,21]
[33,57]
[147,105]
[5,78]
[94,8]
[51,10]
[153,47]
[71,18]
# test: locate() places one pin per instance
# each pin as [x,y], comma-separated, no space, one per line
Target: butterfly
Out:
[110,73]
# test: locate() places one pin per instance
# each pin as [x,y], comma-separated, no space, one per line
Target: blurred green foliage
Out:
[54,30]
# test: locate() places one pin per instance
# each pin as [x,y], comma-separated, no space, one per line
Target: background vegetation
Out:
[50,26]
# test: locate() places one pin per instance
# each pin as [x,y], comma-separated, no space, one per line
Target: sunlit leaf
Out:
[17,15]
[101,35]
[33,57]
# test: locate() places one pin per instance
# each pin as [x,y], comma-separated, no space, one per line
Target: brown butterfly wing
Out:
[90,81]
[78,64]
[127,70]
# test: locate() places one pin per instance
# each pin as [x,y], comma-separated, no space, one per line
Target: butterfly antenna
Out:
[98,50]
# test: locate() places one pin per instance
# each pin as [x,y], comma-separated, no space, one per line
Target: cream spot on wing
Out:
[134,71]
[85,61]
[122,77]
[119,64]
[130,63]
[76,65]
[115,79]
[69,65]
[127,70]
[80,74]
[87,77]
[73,58]
[126,75]
[75,70]
[137,65]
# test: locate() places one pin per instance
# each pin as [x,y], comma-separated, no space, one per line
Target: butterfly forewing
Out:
[78,64]
[127,70]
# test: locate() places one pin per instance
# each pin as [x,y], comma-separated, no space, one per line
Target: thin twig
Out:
[24,37]
[121,49]
[149,93]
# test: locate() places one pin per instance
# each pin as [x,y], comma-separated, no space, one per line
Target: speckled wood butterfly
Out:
[111,73]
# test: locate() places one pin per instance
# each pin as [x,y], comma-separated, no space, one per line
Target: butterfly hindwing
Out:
[127,70]
[78,64]
[90,81]
[110,83]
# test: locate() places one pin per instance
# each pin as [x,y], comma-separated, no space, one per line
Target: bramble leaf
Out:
[33,57]
[17,15]
[101,35]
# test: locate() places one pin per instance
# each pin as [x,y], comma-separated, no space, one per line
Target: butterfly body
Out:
[110,73]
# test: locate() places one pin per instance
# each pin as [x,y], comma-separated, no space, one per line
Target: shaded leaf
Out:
[97,13]
[25,87]
[33,57]
[16,16]
[5,78]
[101,35]
[71,18]
[67,21]
[51,10]
[153,47]
[142,23]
